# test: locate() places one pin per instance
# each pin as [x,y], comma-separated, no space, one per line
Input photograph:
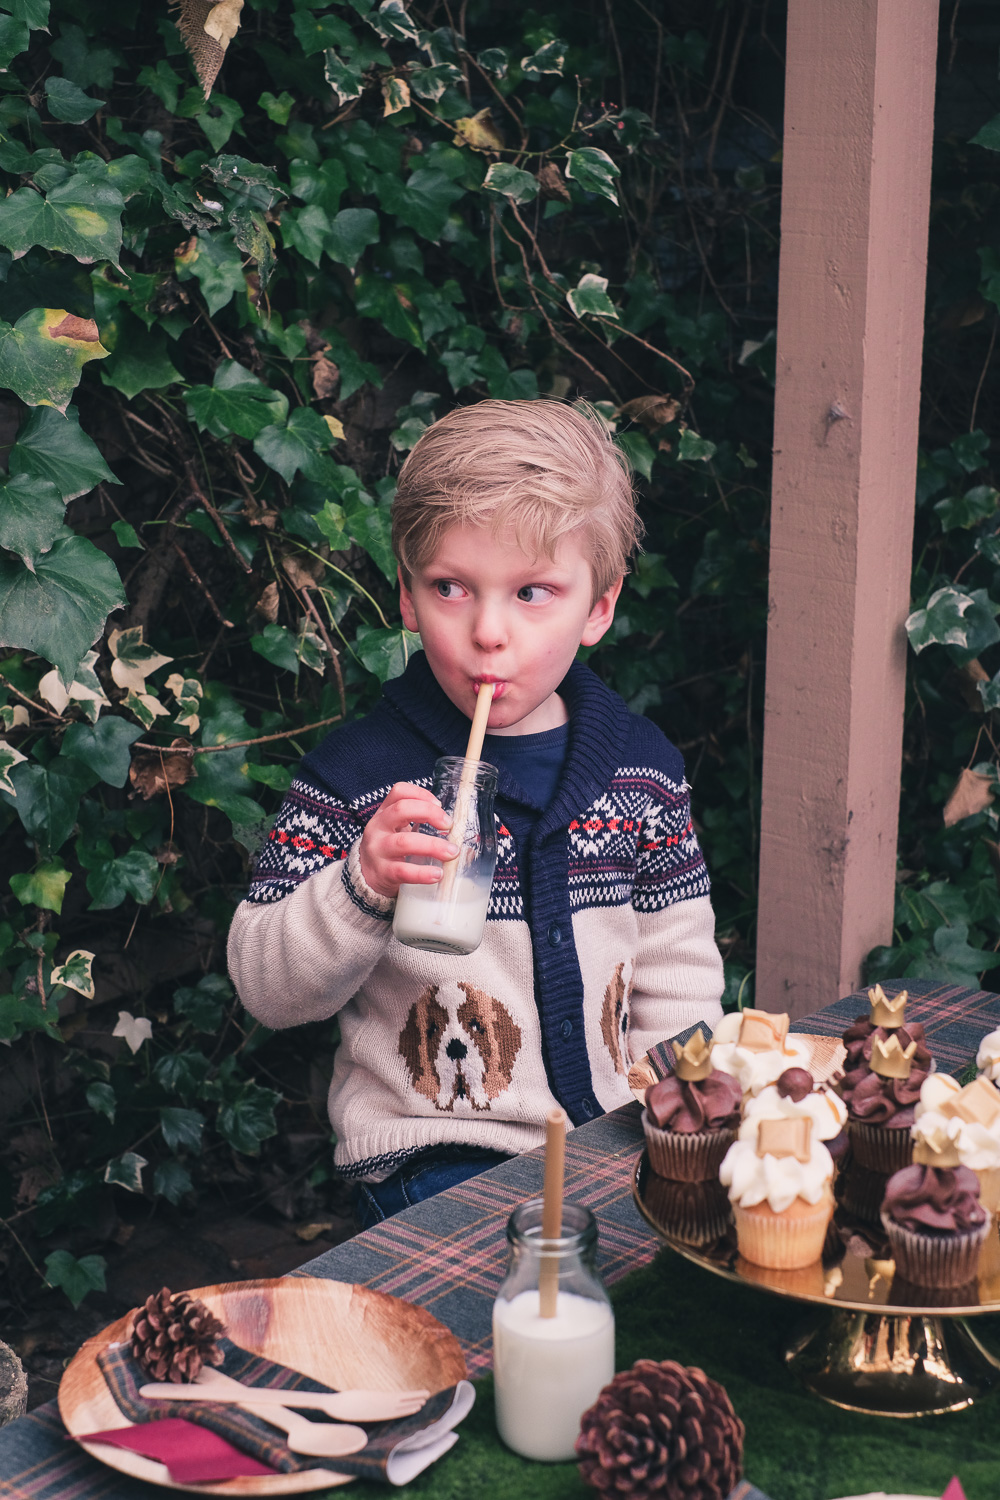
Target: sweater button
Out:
[567,1030]
[587,1107]
[555,935]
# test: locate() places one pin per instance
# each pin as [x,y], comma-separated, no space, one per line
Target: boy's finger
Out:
[413,874]
[410,811]
[424,844]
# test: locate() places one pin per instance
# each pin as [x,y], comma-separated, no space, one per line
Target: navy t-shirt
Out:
[535,761]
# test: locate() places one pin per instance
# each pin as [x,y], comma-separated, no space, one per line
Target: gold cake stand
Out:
[868,1343]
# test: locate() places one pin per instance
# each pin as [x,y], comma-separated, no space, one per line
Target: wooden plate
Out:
[340,1334]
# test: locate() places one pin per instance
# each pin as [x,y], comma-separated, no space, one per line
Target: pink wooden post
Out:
[856,178]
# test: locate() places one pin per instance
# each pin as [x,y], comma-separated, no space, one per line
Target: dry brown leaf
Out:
[207,28]
[967,677]
[478,131]
[267,605]
[972,793]
[302,572]
[652,411]
[325,377]
[151,774]
[552,182]
[310,1232]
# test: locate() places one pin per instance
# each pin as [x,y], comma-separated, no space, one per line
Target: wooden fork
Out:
[343,1406]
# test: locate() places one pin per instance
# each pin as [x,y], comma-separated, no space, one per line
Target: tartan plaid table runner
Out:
[448,1254]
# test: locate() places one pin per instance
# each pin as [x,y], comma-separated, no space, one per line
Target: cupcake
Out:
[881,1104]
[779,1188]
[695,1212]
[970,1117]
[988,1056]
[794,1096]
[754,1047]
[691,1116]
[885,1017]
[933,1217]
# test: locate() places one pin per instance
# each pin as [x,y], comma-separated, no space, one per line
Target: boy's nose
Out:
[489,631]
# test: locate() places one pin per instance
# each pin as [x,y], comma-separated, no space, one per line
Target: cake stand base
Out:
[916,1365]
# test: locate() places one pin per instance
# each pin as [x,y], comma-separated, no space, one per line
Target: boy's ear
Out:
[406,602]
[602,614]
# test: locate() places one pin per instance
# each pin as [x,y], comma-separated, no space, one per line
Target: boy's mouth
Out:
[499,686]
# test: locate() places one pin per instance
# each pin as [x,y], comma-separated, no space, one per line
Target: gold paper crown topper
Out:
[977,1104]
[936,1149]
[890,1060]
[785,1137]
[694,1059]
[887,1013]
[763,1031]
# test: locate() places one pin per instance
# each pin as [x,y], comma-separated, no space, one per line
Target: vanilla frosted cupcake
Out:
[779,1187]
[754,1047]
[970,1118]
[793,1096]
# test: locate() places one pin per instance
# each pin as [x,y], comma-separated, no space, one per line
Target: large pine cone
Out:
[173,1336]
[662,1430]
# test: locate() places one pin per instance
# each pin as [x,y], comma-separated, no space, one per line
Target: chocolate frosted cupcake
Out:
[695,1212]
[885,1017]
[880,1106]
[933,1217]
[691,1117]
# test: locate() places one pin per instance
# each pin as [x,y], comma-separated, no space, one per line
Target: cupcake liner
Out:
[861,1192]
[783,1242]
[989,1187]
[881,1148]
[935,1260]
[910,1294]
[695,1212]
[686,1158]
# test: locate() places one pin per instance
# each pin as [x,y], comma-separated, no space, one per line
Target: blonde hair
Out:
[538,469]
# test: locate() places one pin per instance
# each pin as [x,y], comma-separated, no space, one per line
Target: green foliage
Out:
[226,326]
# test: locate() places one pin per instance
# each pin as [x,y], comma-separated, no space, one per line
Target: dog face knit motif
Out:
[599,940]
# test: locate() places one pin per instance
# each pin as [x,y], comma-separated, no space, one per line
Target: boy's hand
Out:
[388,838]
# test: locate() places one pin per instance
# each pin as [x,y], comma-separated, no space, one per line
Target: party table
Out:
[448,1255]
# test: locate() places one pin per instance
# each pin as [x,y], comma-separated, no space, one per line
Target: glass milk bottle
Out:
[449,917]
[548,1371]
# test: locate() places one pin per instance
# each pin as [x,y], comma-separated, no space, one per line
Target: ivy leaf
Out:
[248,1118]
[43,354]
[103,746]
[110,879]
[253,237]
[349,233]
[277,645]
[188,693]
[219,119]
[393,21]
[181,1127]
[371,526]
[954,960]
[295,446]
[639,451]
[204,1004]
[53,446]
[236,402]
[126,534]
[391,305]
[589,298]
[172,1181]
[134,659]
[988,135]
[548,59]
[80,217]
[423,201]
[101,1098]
[135,1030]
[396,95]
[45,887]
[216,264]
[126,1171]
[344,77]
[953,617]
[385,652]
[31,517]
[84,691]
[594,170]
[430,83]
[139,360]
[693,448]
[14,39]
[315,33]
[48,801]
[69,103]
[9,758]
[75,1277]
[519,186]
[279,778]
[74,973]
[181,1072]
[966,511]
[22,1013]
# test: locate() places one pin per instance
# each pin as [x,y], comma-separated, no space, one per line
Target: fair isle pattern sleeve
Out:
[670,866]
[312,831]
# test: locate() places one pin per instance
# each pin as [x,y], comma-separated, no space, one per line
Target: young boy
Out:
[513,524]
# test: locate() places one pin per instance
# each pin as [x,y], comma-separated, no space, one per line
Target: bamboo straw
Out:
[552,1198]
[467,781]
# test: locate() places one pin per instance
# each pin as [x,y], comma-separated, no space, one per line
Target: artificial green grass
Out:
[797,1447]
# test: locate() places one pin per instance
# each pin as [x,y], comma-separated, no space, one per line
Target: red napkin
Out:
[193,1454]
[954,1490]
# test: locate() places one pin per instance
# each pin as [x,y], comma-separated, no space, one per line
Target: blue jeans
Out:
[428,1173]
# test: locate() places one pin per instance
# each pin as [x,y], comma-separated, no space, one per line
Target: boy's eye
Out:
[533,593]
[448,590]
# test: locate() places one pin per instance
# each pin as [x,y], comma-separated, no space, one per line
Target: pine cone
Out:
[173,1336]
[661,1430]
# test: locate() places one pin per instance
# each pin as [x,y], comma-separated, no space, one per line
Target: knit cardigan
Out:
[599,938]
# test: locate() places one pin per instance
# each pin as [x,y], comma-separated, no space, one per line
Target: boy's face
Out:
[488,612]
